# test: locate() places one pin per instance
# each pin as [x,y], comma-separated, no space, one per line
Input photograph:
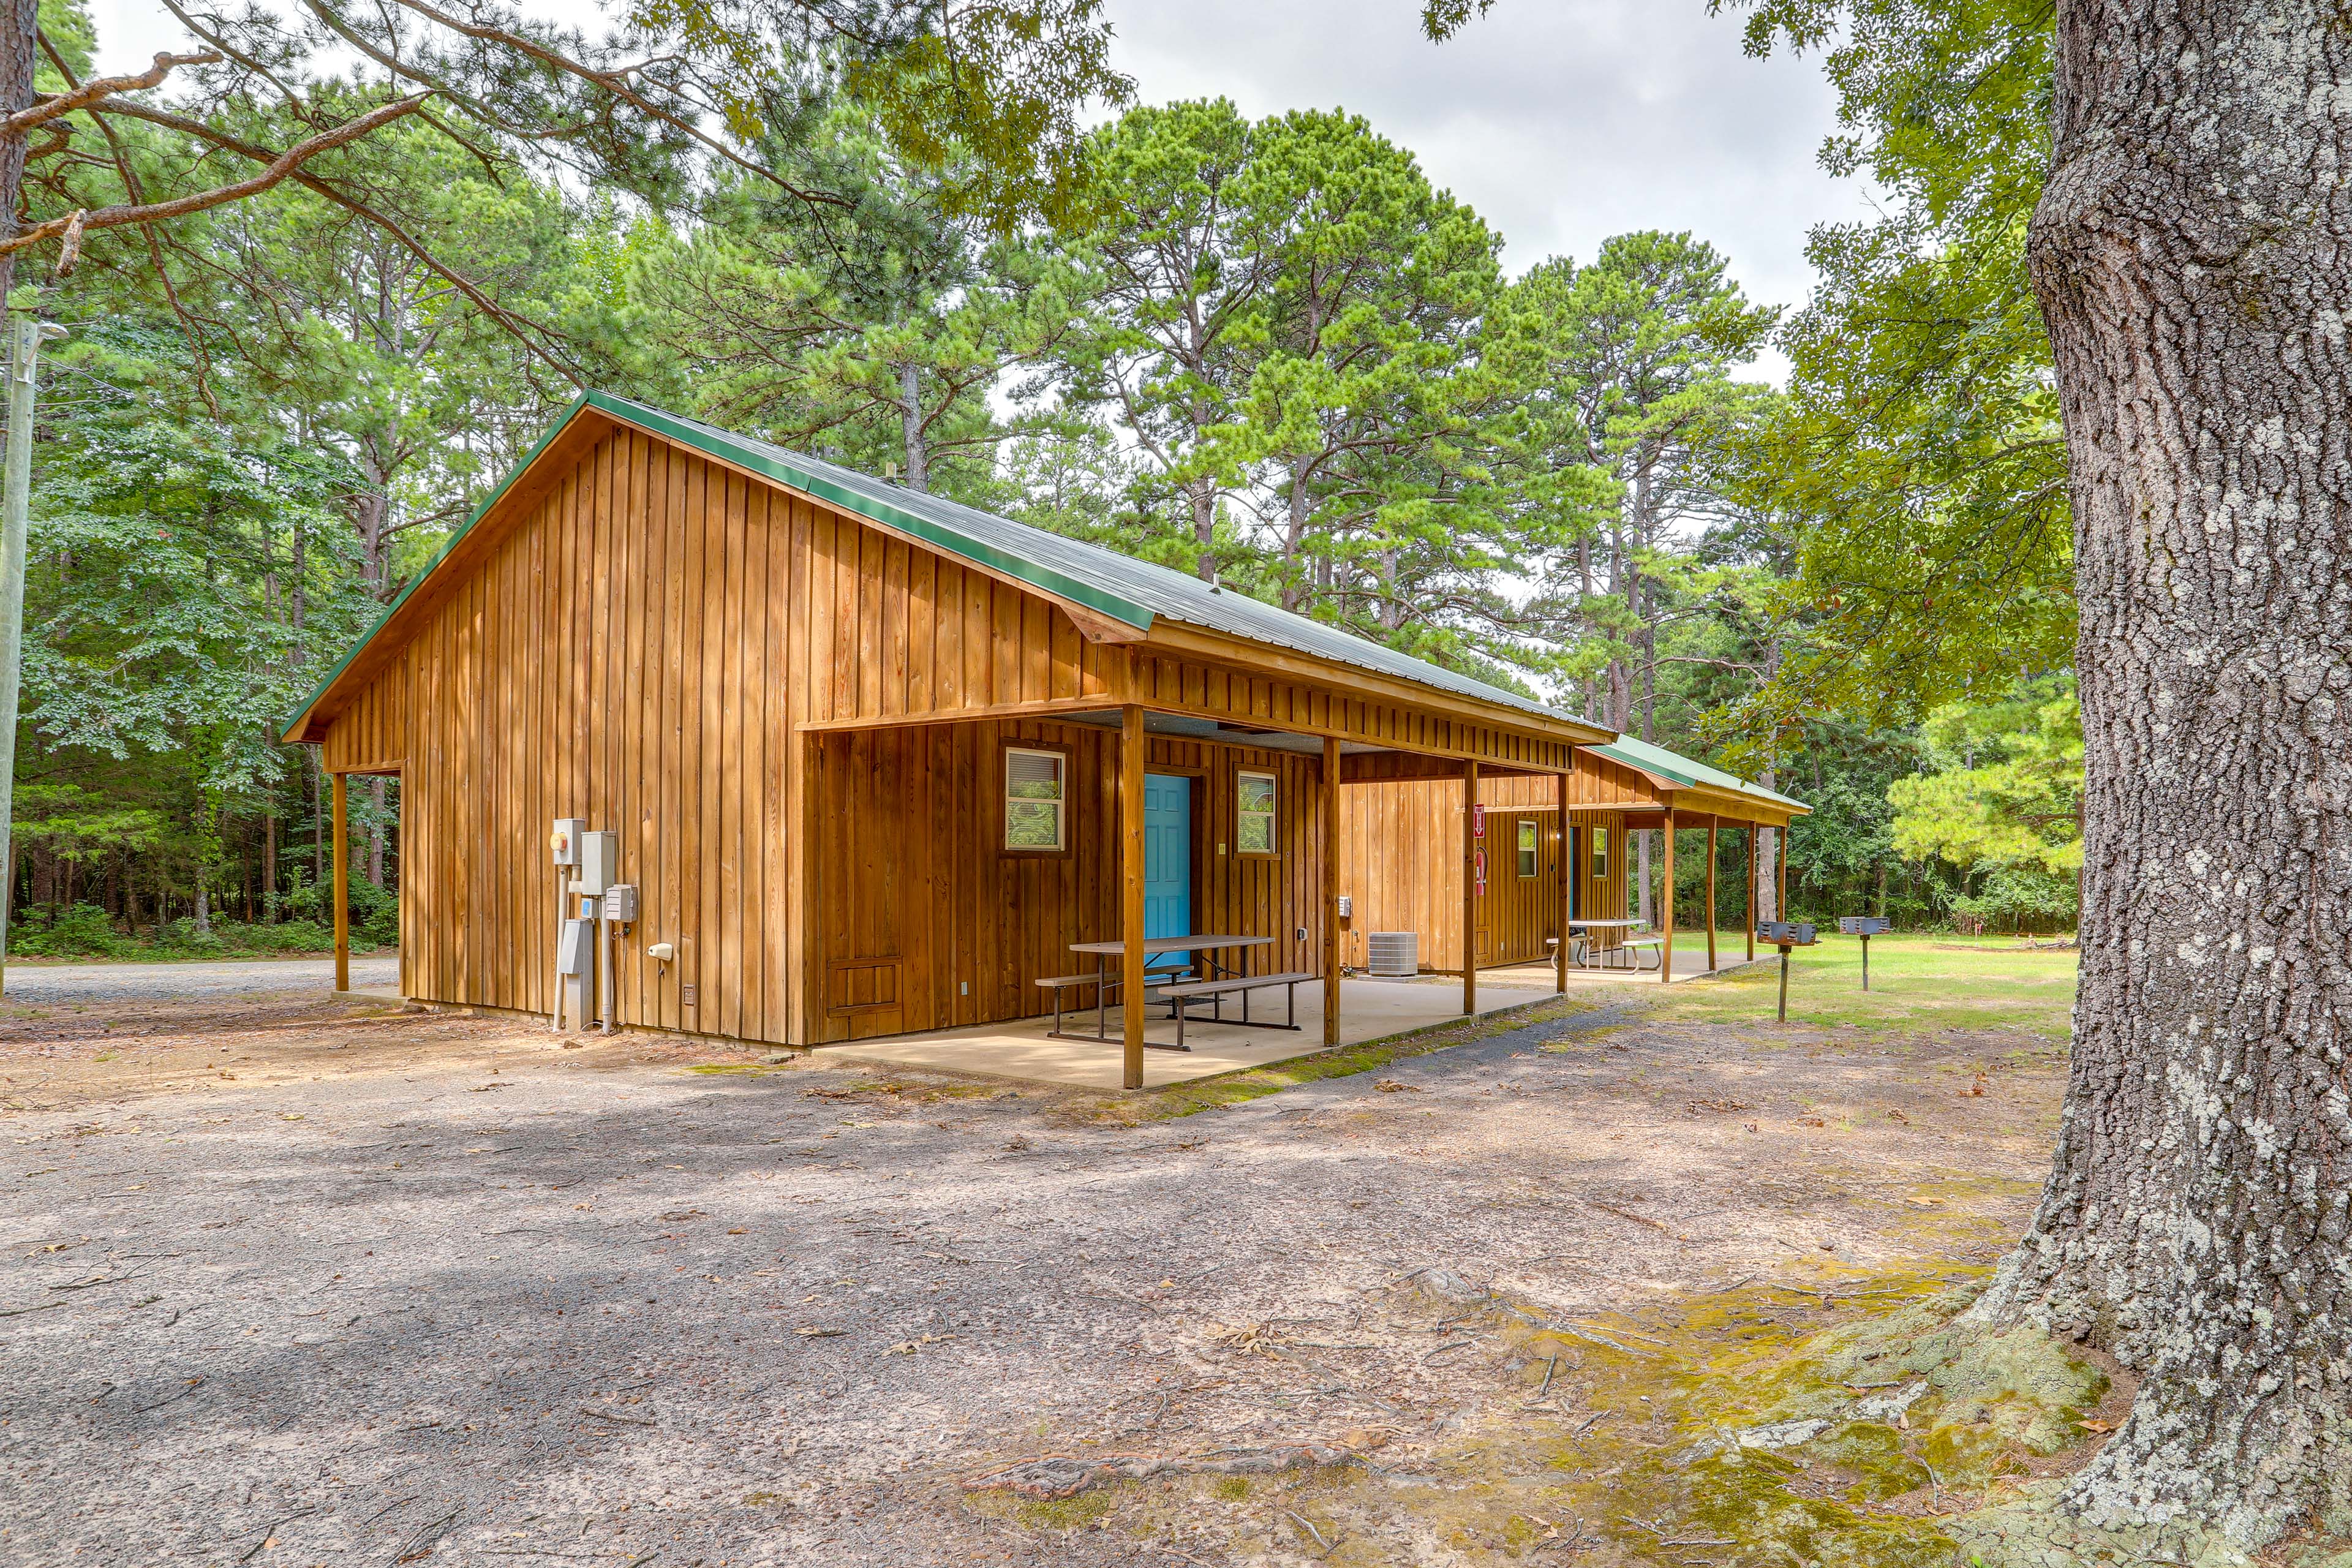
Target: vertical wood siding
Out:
[925,921]
[645,638]
[1401,865]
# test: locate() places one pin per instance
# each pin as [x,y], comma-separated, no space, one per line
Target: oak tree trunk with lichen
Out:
[2193,256]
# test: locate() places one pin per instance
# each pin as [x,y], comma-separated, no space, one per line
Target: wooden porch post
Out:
[1566,889]
[1469,887]
[1667,908]
[1331,829]
[1711,824]
[1751,892]
[1130,903]
[342,887]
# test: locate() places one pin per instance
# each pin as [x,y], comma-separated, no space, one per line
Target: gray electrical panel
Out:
[600,863]
[621,903]
[572,953]
[564,841]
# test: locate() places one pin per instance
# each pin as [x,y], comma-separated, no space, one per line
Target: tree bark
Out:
[375,830]
[910,412]
[19,54]
[2193,256]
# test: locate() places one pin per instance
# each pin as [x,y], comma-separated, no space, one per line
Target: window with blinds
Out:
[1036,799]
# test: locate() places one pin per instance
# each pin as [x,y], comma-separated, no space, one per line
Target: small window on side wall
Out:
[1600,852]
[1036,800]
[1254,807]
[1527,846]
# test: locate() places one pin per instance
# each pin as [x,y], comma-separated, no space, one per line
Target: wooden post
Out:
[1667,908]
[1711,823]
[1751,892]
[1566,889]
[1130,841]
[1469,887]
[343,888]
[1331,829]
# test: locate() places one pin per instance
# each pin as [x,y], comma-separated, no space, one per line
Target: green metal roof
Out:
[1675,768]
[1135,592]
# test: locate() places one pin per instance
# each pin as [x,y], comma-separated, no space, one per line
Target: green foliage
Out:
[1613,453]
[876,335]
[1916,472]
[84,931]
[2003,803]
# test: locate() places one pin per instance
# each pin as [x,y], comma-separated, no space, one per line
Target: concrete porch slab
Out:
[1368,1010]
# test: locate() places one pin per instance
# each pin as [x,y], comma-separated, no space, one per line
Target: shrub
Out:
[84,931]
[179,937]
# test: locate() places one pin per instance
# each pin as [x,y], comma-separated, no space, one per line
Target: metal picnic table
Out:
[1153,947]
[1593,925]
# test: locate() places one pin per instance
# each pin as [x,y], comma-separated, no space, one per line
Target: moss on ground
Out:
[1180,1099]
[1769,1422]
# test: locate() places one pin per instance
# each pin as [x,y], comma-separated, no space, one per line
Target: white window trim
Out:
[1273,814]
[1061,802]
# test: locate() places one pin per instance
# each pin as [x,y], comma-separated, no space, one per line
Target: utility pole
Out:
[25,340]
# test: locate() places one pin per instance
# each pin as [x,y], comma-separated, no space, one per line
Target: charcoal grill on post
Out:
[1864,927]
[1785,935]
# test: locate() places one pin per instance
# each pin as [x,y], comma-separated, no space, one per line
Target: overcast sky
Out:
[1562,121]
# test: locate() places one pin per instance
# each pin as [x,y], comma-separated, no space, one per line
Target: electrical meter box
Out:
[621,903]
[565,840]
[571,952]
[1347,907]
[600,857]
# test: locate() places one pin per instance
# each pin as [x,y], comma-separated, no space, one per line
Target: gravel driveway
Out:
[43,983]
[537,1306]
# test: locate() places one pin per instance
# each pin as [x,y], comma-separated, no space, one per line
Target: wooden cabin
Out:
[1395,881]
[875,760]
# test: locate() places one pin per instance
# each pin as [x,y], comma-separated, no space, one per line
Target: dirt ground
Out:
[291,1281]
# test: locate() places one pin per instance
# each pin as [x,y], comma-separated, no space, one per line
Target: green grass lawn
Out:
[1917,984]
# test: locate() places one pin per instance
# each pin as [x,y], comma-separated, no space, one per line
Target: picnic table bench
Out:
[1158,984]
[1104,984]
[1216,991]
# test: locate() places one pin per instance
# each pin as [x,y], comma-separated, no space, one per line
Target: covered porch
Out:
[962,868]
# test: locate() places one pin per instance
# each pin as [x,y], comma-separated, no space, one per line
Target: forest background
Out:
[1269,352]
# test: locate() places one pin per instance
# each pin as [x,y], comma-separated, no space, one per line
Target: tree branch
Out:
[285,163]
[90,92]
[615,82]
[522,328]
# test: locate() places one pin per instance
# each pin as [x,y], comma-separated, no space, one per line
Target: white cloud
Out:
[1562,121]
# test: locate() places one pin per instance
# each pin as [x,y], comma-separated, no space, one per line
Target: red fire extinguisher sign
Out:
[1477,820]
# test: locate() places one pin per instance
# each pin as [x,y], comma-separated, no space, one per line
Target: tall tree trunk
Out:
[19,54]
[317,825]
[269,864]
[1641,875]
[910,417]
[2193,256]
[1202,494]
[375,830]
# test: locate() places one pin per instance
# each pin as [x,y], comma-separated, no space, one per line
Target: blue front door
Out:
[1167,862]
